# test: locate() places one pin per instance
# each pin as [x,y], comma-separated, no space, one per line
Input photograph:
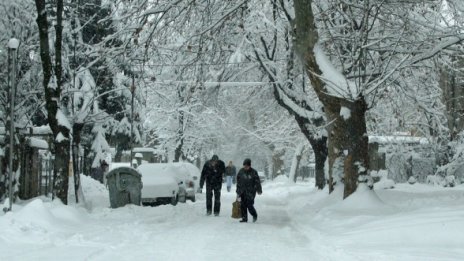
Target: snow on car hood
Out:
[157,182]
[181,171]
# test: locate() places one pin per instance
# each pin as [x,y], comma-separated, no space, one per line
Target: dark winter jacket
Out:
[248,183]
[212,173]
[231,171]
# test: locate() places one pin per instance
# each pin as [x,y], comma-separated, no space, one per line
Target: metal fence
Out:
[46,173]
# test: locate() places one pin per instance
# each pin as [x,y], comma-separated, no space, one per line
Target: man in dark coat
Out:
[248,184]
[230,175]
[212,173]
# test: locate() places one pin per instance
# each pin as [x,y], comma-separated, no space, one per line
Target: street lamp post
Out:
[13,45]
[132,121]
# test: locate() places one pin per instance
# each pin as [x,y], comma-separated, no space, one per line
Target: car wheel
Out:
[174,200]
[182,198]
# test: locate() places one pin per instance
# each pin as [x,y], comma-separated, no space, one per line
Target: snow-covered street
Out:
[295,222]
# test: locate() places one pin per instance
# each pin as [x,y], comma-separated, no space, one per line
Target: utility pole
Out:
[13,45]
[132,120]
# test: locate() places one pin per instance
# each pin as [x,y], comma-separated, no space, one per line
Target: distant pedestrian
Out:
[248,184]
[230,175]
[99,173]
[212,173]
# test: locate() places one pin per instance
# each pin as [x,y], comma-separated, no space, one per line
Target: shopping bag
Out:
[236,213]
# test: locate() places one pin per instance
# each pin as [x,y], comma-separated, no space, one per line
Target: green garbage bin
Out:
[125,186]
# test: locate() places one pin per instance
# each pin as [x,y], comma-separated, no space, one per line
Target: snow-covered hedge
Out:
[452,173]
[437,180]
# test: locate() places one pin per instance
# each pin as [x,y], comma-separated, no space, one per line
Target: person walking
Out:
[248,184]
[212,173]
[230,175]
[100,172]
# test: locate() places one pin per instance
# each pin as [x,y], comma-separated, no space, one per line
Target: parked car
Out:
[190,174]
[159,187]
[187,177]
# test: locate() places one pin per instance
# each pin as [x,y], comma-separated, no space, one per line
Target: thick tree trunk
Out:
[178,153]
[77,128]
[348,139]
[277,162]
[295,163]
[52,96]
[319,146]
[348,142]
[320,152]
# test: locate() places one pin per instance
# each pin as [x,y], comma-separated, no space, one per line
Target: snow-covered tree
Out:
[352,50]
[15,21]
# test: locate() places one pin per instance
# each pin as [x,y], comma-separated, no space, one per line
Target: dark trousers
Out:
[247,204]
[209,198]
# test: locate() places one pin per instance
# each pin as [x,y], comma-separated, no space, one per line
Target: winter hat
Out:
[215,157]
[247,162]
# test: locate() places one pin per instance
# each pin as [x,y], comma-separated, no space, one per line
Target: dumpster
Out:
[125,186]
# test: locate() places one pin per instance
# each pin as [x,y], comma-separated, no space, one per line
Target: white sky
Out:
[296,222]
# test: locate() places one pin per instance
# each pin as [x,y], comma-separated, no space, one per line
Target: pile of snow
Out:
[281,179]
[96,194]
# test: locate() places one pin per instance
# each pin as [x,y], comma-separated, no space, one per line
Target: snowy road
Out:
[143,233]
[295,223]
[185,232]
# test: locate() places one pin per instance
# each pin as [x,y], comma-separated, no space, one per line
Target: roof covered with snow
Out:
[400,139]
[37,143]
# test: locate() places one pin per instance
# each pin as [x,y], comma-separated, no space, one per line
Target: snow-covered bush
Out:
[384,182]
[410,160]
[412,180]
[399,166]
[455,167]
[450,181]
[437,180]
[422,166]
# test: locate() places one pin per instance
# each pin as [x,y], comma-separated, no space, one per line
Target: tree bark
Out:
[178,152]
[320,152]
[52,96]
[348,142]
[77,128]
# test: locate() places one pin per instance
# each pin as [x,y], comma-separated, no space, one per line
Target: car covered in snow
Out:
[190,175]
[159,187]
[186,176]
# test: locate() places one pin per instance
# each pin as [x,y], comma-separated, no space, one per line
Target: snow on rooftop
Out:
[145,150]
[397,139]
[140,149]
[39,130]
[38,143]
[42,130]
